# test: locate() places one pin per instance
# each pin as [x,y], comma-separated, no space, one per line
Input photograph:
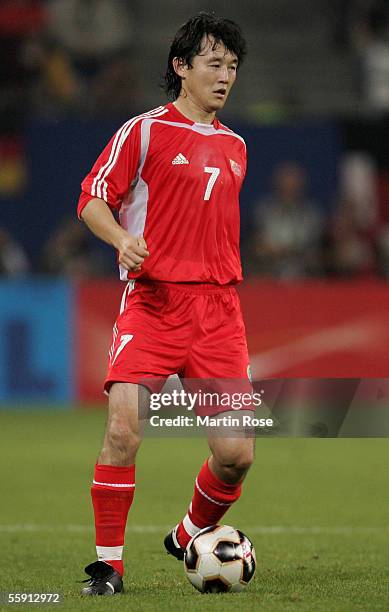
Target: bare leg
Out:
[114,475]
[123,434]
[231,458]
[218,484]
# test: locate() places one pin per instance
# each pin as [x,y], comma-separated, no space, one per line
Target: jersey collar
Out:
[175,114]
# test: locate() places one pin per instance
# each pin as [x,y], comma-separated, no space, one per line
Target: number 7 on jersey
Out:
[214,172]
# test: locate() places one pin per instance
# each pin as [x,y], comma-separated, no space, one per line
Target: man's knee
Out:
[239,461]
[121,437]
[232,460]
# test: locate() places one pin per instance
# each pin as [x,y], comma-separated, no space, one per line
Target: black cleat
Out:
[172,546]
[104,580]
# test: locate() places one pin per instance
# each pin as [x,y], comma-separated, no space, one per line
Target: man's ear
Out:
[179,66]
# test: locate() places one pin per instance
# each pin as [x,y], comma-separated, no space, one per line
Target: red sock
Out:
[112,493]
[211,500]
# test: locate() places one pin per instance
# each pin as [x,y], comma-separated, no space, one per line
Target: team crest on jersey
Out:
[236,168]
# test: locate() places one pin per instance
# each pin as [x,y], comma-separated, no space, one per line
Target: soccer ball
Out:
[219,559]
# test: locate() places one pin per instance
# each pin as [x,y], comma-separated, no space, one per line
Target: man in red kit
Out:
[173,176]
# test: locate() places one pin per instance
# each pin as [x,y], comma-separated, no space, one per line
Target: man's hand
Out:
[132,251]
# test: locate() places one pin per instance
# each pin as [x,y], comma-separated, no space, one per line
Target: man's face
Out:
[213,73]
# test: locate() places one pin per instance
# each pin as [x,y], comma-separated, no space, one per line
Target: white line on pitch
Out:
[260,529]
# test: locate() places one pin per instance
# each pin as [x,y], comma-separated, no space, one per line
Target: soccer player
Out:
[172,177]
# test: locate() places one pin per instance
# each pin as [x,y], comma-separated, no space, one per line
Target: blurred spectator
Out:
[13,260]
[341,13]
[358,184]
[349,247]
[372,43]
[13,167]
[69,252]
[383,251]
[21,22]
[57,90]
[96,38]
[349,244]
[287,227]
[114,92]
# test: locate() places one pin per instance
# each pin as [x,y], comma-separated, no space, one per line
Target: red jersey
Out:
[177,183]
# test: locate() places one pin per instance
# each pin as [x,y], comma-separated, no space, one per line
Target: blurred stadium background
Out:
[312,102]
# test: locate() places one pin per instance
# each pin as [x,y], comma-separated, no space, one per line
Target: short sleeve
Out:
[116,167]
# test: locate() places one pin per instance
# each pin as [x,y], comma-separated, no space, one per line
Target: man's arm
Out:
[132,250]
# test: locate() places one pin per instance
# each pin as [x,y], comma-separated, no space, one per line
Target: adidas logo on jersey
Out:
[180,159]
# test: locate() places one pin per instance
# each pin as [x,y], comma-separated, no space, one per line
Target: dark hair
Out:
[188,41]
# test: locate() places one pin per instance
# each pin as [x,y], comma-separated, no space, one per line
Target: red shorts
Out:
[193,330]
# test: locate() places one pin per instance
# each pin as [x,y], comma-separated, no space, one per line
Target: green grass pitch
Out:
[317,511]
